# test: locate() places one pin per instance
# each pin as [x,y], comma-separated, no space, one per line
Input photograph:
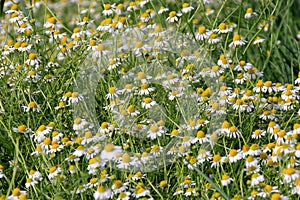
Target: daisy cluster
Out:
[182,93]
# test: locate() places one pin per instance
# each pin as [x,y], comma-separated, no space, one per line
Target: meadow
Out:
[150,99]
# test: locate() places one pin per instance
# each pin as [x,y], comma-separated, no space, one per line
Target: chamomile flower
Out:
[132,6]
[258,40]
[176,93]
[258,133]
[186,8]
[226,180]
[203,33]
[234,155]
[173,17]
[79,124]
[249,13]
[113,64]
[156,150]
[140,191]
[200,137]
[240,78]
[110,152]
[267,191]
[290,174]
[102,193]
[108,9]
[124,196]
[119,187]
[213,39]
[155,131]
[237,41]
[216,71]
[32,106]
[296,189]
[53,172]
[190,191]
[126,161]
[223,28]
[233,132]
[254,150]
[17,194]
[33,60]
[145,89]
[148,103]
[253,73]
[256,179]
[30,183]
[22,129]
[298,35]
[1,171]
[216,161]
[80,151]
[209,11]
[132,111]
[75,98]
[178,191]
[162,10]
[243,66]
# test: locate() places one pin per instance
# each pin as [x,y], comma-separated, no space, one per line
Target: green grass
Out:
[278,61]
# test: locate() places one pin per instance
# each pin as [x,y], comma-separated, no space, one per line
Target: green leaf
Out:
[2,7]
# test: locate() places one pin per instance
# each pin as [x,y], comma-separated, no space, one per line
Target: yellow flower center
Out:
[175,133]
[147,100]
[131,109]
[289,171]
[101,189]
[77,120]
[268,83]
[22,128]
[213,36]
[76,30]
[222,26]
[155,148]
[109,147]
[215,68]
[52,169]
[172,14]
[185,5]
[216,158]
[107,6]
[236,37]
[32,105]
[122,195]
[233,152]
[249,10]
[254,147]
[200,134]
[225,124]
[16,192]
[225,177]
[126,158]
[275,196]
[259,83]
[14,7]
[92,42]
[80,148]
[138,45]
[93,180]
[47,141]
[154,129]
[186,138]
[51,20]
[144,86]
[32,56]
